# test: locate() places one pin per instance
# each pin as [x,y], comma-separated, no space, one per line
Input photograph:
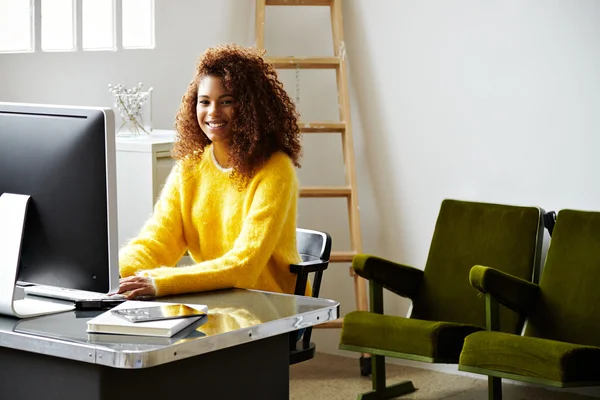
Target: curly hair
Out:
[265,118]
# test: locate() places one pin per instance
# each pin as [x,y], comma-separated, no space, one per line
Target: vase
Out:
[132,125]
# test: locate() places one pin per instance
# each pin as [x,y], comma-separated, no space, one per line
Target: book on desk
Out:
[108,323]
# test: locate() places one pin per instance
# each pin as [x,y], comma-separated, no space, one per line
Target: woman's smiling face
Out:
[215,109]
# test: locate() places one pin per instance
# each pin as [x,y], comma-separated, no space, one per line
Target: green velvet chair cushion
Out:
[533,357]
[432,339]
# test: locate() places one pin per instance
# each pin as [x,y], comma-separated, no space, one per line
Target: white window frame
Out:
[36,34]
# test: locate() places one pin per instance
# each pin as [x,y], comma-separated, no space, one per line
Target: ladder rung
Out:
[342,256]
[335,324]
[298,2]
[304,62]
[322,126]
[325,191]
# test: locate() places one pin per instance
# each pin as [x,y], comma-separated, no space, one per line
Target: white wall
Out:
[492,101]
[483,100]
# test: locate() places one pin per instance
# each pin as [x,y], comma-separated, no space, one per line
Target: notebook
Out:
[186,334]
[109,323]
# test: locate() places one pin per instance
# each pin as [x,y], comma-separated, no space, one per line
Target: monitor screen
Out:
[64,158]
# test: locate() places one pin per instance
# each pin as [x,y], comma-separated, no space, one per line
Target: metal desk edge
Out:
[179,351]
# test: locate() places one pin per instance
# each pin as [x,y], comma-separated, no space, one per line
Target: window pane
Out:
[58,20]
[15,25]
[138,24]
[98,30]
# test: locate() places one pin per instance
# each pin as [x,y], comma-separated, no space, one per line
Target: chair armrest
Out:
[401,279]
[309,266]
[515,293]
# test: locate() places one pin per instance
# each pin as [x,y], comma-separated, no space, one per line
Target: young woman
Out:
[231,198]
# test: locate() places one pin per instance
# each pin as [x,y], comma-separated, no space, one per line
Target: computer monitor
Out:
[63,158]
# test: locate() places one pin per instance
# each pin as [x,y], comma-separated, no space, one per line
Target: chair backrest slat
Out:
[311,243]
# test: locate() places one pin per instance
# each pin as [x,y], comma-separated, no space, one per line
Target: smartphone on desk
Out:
[158,313]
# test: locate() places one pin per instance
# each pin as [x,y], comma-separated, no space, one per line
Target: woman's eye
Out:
[203,102]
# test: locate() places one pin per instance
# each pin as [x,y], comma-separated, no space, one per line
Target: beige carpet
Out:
[334,377]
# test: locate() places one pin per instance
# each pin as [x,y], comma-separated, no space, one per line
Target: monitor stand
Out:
[13,208]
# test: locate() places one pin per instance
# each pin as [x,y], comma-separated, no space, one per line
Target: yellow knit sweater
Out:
[242,238]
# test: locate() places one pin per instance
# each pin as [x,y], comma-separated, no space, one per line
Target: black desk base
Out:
[256,370]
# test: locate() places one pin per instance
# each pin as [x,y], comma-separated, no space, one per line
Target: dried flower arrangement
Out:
[128,104]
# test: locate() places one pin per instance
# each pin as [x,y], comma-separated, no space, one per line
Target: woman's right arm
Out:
[161,240]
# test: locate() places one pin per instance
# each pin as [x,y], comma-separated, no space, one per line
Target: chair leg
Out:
[365,366]
[378,372]
[380,391]
[494,388]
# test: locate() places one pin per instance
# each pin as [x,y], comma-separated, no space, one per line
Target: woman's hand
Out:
[136,286]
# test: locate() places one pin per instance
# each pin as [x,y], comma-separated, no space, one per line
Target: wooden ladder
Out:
[344,127]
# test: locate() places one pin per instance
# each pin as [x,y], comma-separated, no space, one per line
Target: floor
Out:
[334,377]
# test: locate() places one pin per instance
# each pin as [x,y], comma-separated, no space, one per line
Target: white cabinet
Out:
[143,164]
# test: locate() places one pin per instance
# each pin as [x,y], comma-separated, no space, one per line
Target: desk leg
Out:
[258,369]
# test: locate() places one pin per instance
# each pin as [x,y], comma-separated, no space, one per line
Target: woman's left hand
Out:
[136,286]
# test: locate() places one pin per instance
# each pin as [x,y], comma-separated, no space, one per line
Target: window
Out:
[16,33]
[58,25]
[97,21]
[70,25]
[138,24]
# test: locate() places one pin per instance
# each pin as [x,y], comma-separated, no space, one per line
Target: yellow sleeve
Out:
[241,266]
[161,240]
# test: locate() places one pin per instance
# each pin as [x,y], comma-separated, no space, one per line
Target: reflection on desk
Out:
[241,312]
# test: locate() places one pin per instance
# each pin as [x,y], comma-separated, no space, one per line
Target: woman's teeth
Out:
[216,124]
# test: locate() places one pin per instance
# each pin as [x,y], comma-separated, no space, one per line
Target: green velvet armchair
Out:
[445,308]
[560,345]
